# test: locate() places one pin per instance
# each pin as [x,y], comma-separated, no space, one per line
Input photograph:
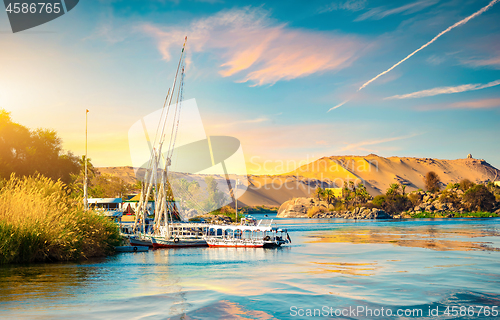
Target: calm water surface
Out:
[332,266]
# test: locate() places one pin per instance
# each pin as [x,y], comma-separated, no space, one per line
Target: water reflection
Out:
[429,237]
[428,263]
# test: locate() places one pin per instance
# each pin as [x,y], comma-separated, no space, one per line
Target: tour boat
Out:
[246,236]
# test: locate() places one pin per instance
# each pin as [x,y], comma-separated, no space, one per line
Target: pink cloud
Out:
[477,104]
[472,104]
[258,50]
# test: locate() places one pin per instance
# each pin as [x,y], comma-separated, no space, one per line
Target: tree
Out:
[27,152]
[319,192]
[432,181]
[466,184]
[329,196]
[479,198]
[215,198]
[361,194]
[393,189]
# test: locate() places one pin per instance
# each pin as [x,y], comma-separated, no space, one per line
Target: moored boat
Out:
[180,235]
[138,240]
[246,236]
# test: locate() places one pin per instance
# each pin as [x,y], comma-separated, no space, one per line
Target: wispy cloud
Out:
[373,142]
[490,62]
[254,46]
[240,122]
[471,104]
[349,5]
[461,22]
[445,90]
[477,104]
[337,106]
[381,12]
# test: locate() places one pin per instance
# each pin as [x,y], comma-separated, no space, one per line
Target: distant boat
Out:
[247,236]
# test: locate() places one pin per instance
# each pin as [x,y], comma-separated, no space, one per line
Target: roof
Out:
[105,200]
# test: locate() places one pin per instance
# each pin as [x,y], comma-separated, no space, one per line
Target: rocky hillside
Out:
[377,173]
[301,208]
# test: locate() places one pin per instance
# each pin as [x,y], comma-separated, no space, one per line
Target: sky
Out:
[289,79]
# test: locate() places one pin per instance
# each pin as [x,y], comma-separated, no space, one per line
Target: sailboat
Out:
[162,231]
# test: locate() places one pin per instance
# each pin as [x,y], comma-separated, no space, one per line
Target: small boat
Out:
[137,240]
[247,236]
[180,235]
[178,243]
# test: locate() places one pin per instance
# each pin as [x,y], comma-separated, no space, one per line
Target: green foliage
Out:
[479,198]
[466,184]
[319,192]
[39,221]
[453,214]
[394,201]
[394,189]
[355,195]
[28,152]
[415,198]
[261,209]
[452,185]
[329,196]
[215,198]
[314,210]
[432,181]
[450,197]
[379,200]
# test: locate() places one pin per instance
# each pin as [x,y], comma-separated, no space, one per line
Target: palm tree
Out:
[319,192]
[329,196]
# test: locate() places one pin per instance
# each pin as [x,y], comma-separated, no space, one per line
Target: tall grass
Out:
[39,221]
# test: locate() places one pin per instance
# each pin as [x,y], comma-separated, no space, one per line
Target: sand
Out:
[377,173]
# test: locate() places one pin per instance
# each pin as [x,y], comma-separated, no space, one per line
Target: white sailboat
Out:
[163,231]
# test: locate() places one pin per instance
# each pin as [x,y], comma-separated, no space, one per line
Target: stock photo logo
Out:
[27,14]
[204,172]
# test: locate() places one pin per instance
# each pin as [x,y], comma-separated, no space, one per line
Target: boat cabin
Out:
[109,207]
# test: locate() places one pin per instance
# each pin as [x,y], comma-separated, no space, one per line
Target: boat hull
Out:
[141,242]
[181,243]
[237,243]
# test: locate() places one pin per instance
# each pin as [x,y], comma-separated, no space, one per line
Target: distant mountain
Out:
[377,173]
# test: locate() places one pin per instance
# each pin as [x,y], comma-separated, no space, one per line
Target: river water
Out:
[340,269]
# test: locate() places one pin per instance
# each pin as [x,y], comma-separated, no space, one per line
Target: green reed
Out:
[39,221]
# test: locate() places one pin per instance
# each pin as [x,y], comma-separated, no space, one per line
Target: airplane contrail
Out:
[337,106]
[461,22]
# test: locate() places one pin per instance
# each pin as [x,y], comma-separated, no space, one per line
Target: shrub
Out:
[450,197]
[314,210]
[452,185]
[40,222]
[379,201]
[466,184]
[415,199]
[479,198]
[432,181]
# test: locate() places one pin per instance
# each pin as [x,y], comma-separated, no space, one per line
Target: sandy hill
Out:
[377,173]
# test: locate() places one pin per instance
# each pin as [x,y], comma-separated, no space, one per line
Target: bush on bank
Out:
[39,221]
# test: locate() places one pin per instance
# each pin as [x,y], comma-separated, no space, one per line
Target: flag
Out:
[87,110]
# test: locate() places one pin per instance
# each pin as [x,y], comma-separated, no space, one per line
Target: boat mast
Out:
[85,194]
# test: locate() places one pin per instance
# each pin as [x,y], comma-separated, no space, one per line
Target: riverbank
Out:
[40,222]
